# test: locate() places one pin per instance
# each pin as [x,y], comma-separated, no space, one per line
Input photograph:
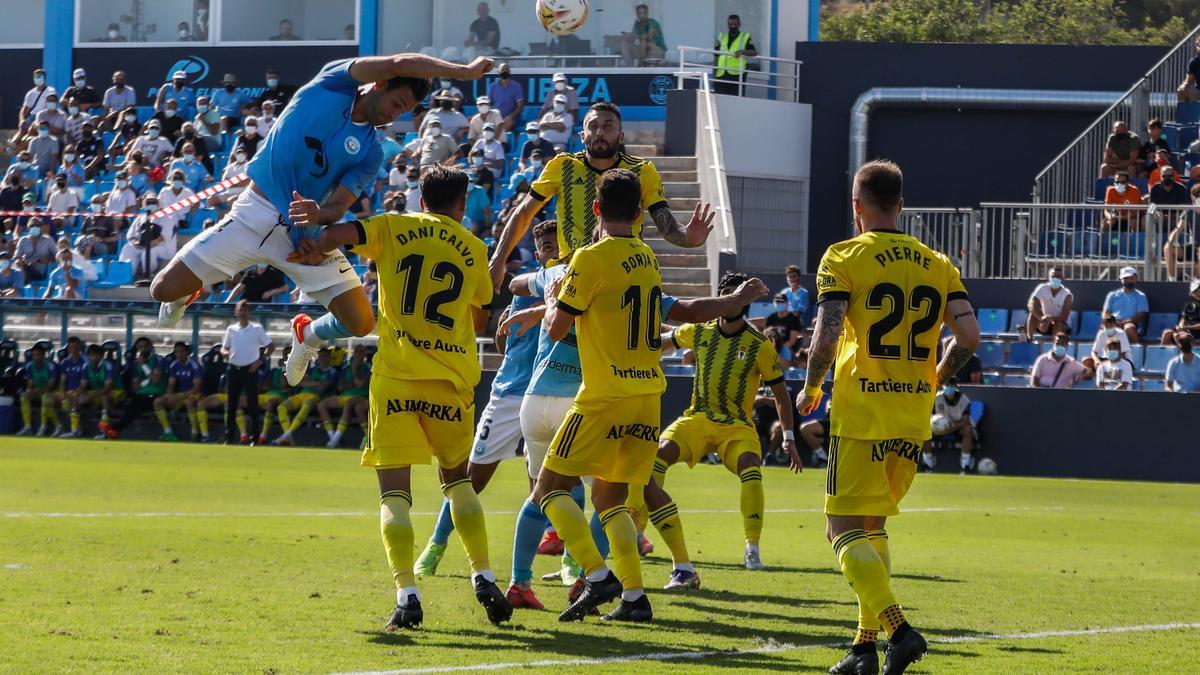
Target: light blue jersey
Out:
[314,147]
[556,368]
[517,368]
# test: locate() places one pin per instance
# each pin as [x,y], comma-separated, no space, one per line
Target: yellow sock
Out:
[638,510]
[396,528]
[191,414]
[27,411]
[868,576]
[666,520]
[327,426]
[49,413]
[161,414]
[74,421]
[202,420]
[868,622]
[659,476]
[239,418]
[268,422]
[301,415]
[752,503]
[622,536]
[467,514]
[572,527]
[285,417]
[342,426]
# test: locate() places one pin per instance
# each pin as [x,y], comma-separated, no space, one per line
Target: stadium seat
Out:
[1088,383]
[1073,323]
[1089,325]
[117,274]
[992,380]
[1083,350]
[1085,244]
[1019,317]
[1101,188]
[1153,385]
[990,353]
[1052,245]
[1156,358]
[976,412]
[1137,354]
[1158,323]
[1016,380]
[1022,355]
[993,321]
[8,353]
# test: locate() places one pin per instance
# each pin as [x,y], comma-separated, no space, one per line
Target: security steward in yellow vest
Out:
[732,69]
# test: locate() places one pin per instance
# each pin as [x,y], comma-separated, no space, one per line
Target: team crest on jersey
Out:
[741,355]
[353,145]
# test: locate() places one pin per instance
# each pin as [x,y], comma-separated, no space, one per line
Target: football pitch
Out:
[139,557]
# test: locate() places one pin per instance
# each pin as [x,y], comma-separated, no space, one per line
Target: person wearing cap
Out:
[535,141]
[789,325]
[561,88]
[1183,371]
[35,100]
[436,146]
[508,97]
[28,208]
[176,190]
[34,252]
[171,121]
[484,113]
[83,94]
[1189,317]
[98,233]
[276,92]
[179,91]
[152,144]
[529,172]
[118,98]
[1127,305]
[12,280]
[446,87]
[556,125]
[492,148]
[229,102]
[453,123]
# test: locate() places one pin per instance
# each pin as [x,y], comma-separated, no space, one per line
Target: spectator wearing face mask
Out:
[194,174]
[53,117]
[122,198]
[1169,191]
[396,175]
[12,281]
[175,191]
[278,93]
[61,199]
[787,324]
[23,171]
[207,119]
[556,124]
[447,88]
[1162,160]
[453,123]
[83,94]
[1183,371]
[537,141]
[436,147]
[73,122]
[561,88]
[90,149]
[118,98]
[508,97]
[485,114]
[1122,193]
[113,34]
[98,231]
[267,119]
[478,214]
[249,138]
[1108,331]
[530,172]
[956,408]
[29,206]
[412,190]
[1114,372]
[1127,305]
[66,281]
[1189,317]
[492,149]
[1049,306]
[1056,369]
[78,260]
[235,167]
[35,100]
[394,202]
[1121,152]
[170,121]
[139,179]
[176,90]
[34,252]
[153,146]
[229,102]
[145,248]
[73,171]
[188,136]
[44,151]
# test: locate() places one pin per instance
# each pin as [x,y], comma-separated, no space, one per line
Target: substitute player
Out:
[895,293]
[353,379]
[70,373]
[185,378]
[732,357]
[41,382]
[433,287]
[574,178]
[614,289]
[99,386]
[317,160]
[313,387]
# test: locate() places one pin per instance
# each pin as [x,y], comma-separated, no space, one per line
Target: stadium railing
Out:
[780,79]
[1069,176]
[714,186]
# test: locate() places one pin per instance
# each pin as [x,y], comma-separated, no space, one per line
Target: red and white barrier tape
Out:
[173,208]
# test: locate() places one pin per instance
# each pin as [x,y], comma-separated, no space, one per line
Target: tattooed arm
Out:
[960,319]
[831,315]
[691,236]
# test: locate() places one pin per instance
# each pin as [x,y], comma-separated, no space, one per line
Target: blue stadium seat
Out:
[1089,325]
[1142,184]
[990,353]
[1101,188]
[1082,350]
[1019,317]
[976,412]
[993,321]
[1089,383]
[1073,322]
[1157,358]
[1052,245]
[116,274]
[1153,385]
[992,380]
[1022,354]
[1084,244]
[1137,354]
[1016,380]
[1158,323]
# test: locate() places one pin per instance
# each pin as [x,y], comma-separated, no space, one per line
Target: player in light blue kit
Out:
[557,375]
[315,162]
[498,434]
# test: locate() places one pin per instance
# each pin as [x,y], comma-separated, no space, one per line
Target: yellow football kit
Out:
[432,271]
[896,290]
[611,432]
[569,176]
[728,370]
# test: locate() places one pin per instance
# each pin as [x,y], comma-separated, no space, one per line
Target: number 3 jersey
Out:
[615,288]
[896,290]
[432,271]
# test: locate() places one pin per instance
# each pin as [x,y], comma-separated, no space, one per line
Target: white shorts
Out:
[498,434]
[541,416]
[254,234]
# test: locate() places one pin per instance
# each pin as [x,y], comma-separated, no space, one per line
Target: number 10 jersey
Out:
[896,290]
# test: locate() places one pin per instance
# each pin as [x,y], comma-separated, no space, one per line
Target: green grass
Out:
[239,575]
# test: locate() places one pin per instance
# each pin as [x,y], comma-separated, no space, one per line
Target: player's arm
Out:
[783,406]
[692,235]
[501,337]
[514,229]
[960,319]
[333,237]
[381,68]
[303,211]
[521,285]
[699,310]
[831,319]
[523,320]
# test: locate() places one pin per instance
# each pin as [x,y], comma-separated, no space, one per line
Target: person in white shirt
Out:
[493,150]
[152,144]
[267,119]
[246,348]
[62,200]
[396,175]
[1115,371]
[122,199]
[454,124]
[208,119]
[412,190]
[561,88]
[556,124]
[34,101]
[486,113]
[78,260]
[1108,331]
[1049,306]
[134,251]
[175,191]
[955,407]
[235,167]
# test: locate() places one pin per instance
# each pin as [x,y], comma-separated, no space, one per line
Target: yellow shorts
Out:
[264,398]
[615,442]
[297,400]
[697,435]
[181,397]
[412,421]
[343,399]
[869,478]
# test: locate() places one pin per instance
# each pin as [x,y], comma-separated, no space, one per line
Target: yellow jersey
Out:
[728,369]
[897,289]
[615,289]
[569,176]
[432,270]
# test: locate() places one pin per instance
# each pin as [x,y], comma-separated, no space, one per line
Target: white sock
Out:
[486,574]
[685,567]
[929,458]
[310,336]
[403,594]
[335,437]
[178,302]
[550,530]
[630,596]
[599,575]
[965,461]
[752,548]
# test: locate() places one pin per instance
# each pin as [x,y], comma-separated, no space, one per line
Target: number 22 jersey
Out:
[896,290]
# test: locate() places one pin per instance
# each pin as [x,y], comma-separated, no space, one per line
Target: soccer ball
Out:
[562,17]
[986,466]
[939,424]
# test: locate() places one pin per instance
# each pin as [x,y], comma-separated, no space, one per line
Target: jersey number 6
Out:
[921,296]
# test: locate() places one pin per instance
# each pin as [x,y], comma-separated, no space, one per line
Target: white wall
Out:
[410,34]
[753,130]
[24,22]
[793,27]
[311,19]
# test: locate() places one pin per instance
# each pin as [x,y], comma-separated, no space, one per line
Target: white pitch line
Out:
[363,514]
[779,647]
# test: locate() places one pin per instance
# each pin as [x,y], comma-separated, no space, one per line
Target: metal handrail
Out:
[793,77]
[564,60]
[718,165]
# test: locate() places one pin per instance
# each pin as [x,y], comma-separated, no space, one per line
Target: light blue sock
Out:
[329,327]
[530,523]
[577,495]
[599,536]
[445,525]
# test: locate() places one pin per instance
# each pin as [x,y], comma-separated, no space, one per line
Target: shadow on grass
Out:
[821,570]
[735,596]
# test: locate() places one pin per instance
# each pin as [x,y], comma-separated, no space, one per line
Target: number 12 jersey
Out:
[896,290]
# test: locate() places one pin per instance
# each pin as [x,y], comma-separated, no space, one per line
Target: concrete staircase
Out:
[684,270]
